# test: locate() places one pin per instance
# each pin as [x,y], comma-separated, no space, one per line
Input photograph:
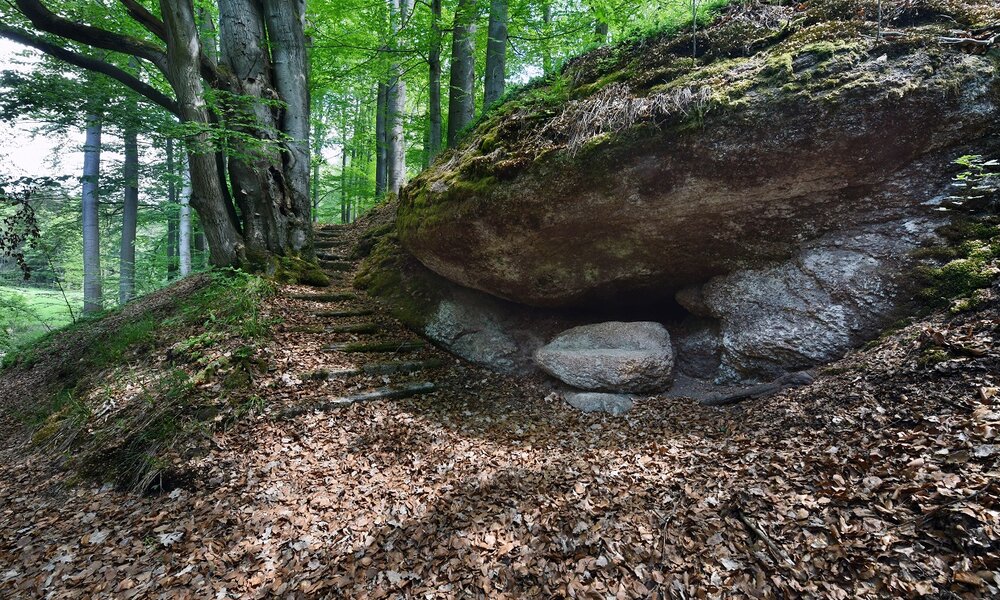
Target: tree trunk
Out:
[172,242]
[434,60]
[461,102]
[547,65]
[130,217]
[286,35]
[345,207]
[396,106]
[268,102]
[601,32]
[381,150]
[92,300]
[184,229]
[183,55]
[496,53]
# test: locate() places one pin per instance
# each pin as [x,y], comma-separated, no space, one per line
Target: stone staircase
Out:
[365,353]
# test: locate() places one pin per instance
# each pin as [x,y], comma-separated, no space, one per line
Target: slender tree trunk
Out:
[601,32]
[316,160]
[461,102]
[130,217]
[396,106]
[184,229]
[547,65]
[92,294]
[395,132]
[381,150]
[434,60]
[171,217]
[496,53]
[286,21]
[345,208]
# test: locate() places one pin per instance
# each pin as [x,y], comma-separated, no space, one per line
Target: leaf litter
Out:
[878,480]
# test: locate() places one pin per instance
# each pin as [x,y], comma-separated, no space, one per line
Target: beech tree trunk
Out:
[172,242]
[92,300]
[496,53]
[461,101]
[130,217]
[184,230]
[264,72]
[547,66]
[381,142]
[434,92]
[396,106]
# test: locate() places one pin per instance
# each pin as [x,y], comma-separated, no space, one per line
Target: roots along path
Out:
[384,468]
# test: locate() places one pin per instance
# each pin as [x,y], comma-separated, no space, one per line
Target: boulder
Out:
[612,357]
[853,138]
[837,292]
[613,404]
[480,328]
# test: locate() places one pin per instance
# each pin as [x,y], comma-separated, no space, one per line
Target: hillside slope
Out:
[878,480]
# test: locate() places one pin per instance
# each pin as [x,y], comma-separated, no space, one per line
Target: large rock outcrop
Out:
[776,190]
[653,210]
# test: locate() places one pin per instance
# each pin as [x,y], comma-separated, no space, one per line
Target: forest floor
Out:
[878,480]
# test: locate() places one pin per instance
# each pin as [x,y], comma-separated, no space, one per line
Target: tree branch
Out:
[145,18]
[46,20]
[92,64]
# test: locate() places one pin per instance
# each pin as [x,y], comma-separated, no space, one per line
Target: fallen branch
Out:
[776,552]
[386,393]
[764,389]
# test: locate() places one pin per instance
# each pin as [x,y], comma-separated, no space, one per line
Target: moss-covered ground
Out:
[116,394]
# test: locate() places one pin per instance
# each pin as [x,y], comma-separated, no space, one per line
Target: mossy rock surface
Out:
[638,171]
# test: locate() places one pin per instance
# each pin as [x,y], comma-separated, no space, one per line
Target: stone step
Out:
[382,368]
[331,297]
[337,314]
[304,329]
[386,393]
[329,243]
[331,257]
[359,328]
[338,265]
[374,347]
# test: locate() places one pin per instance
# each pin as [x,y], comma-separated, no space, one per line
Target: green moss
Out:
[972,255]
[932,356]
[111,366]
[384,275]
[298,271]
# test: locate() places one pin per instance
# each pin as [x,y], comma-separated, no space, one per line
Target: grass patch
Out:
[132,389]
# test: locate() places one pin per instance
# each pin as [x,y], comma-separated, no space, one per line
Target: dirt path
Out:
[485,487]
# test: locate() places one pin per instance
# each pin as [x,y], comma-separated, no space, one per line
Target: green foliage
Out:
[969,262]
[116,408]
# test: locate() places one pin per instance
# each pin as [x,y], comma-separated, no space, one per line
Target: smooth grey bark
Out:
[381,152]
[496,53]
[547,65]
[287,39]
[183,56]
[184,230]
[345,207]
[434,91]
[461,100]
[130,218]
[280,216]
[172,241]
[92,293]
[601,32]
[396,106]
